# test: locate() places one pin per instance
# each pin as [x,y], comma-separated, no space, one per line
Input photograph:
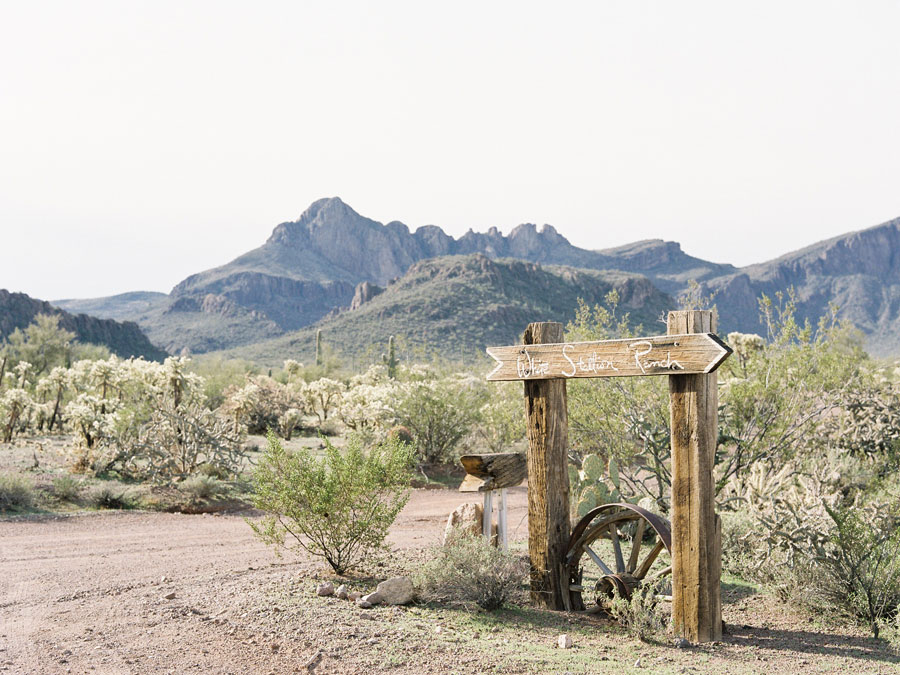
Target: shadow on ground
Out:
[814,644]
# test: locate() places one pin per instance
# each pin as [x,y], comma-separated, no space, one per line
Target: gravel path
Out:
[88,592]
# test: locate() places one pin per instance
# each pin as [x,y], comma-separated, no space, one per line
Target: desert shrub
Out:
[468,570]
[66,488]
[501,420]
[339,507]
[220,374]
[644,614]
[16,492]
[859,564]
[776,395]
[439,413]
[201,487]
[821,533]
[108,497]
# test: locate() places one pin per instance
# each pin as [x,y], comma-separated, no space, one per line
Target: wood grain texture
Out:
[656,355]
[548,476]
[493,471]
[696,546]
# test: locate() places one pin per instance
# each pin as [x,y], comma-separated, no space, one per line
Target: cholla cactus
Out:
[14,407]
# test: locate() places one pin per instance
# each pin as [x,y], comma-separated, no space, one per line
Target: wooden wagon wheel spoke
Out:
[605,522]
[641,571]
[636,546]
[597,560]
[661,573]
[617,548]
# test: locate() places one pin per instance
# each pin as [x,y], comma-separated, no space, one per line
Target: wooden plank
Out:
[548,476]
[657,355]
[495,470]
[696,603]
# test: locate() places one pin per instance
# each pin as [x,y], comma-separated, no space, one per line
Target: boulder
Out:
[373,598]
[396,591]
[325,588]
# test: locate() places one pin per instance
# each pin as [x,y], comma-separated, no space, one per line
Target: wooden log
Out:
[493,471]
[696,548]
[548,476]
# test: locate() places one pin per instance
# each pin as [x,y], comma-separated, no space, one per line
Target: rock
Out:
[341,592]
[682,643]
[396,591]
[637,664]
[314,661]
[325,588]
[373,598]
[565,642]
[354,596]
[169,596]
[362,603]
[465,518]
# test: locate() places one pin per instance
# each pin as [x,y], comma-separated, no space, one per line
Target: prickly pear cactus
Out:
[594,484]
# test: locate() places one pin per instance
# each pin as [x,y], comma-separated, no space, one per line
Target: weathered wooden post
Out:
[696,531]
[548,475]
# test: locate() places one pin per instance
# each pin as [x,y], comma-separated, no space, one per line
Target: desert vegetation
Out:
[805,467]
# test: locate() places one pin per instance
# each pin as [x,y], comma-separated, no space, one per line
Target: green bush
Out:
[66,488]
[339,507]
[859,567]
[202,487]
[106,497]
[440,414]
[468,569]
[16,492]
[643,615]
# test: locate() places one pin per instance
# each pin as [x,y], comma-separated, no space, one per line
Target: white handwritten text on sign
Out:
[660,355]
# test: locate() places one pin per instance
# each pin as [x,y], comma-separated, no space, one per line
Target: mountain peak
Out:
[326,208]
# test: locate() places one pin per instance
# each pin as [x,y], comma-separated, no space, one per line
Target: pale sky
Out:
[141,142]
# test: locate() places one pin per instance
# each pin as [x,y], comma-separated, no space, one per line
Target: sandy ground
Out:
[140,592]
[86,592]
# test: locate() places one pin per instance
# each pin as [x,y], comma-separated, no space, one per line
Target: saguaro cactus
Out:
[319,347]
[391,359]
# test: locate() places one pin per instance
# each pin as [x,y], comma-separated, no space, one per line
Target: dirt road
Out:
[88,593]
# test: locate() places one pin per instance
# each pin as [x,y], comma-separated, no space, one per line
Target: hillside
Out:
[458,305]
[124,306]
[18,310]
[859,272]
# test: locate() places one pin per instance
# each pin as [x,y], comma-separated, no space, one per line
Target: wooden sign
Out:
[693,353]
[688,353]
[493,471]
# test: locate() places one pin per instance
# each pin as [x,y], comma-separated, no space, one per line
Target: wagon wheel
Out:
[618,575]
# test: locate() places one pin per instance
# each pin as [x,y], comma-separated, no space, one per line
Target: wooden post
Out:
[487,515]
[696,533]
[548,476]
[502,525]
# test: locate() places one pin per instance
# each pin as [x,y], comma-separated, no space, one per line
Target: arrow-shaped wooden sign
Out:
[694,353]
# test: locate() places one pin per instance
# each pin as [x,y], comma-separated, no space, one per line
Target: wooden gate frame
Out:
[696,529]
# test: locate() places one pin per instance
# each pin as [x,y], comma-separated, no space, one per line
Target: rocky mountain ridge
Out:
[313,268]
[18,310]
